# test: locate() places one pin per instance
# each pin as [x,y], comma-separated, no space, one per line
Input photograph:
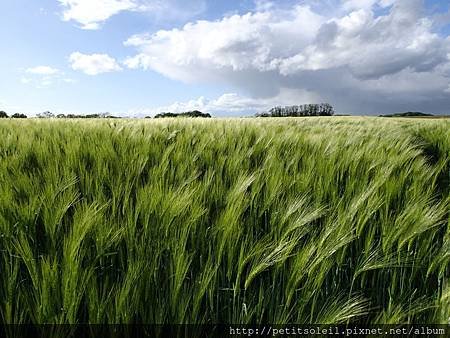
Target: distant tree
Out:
[275,111]
[326,109]
[80,116]
[193,113]
[408,114]
[322,109]
[18,116]
[3,115]
[262,115]
[45,115]
[164,114]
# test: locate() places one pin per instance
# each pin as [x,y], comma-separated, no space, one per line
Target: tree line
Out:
[47,114]
[408,114]
[4,115]
[321,109]
[194,113]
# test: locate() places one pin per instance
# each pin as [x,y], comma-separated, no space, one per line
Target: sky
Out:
[227,58]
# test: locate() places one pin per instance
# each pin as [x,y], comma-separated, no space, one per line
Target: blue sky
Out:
[140,57]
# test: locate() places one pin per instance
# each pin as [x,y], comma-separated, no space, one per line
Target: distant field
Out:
[315,220]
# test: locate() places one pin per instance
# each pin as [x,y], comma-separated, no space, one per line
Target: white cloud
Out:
[93,64]
[365,4]
[43,76]
[357,58]
[42,70]
[252,41]
[25,80]
[263,5]
[91,14]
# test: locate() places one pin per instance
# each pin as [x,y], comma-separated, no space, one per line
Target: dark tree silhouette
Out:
[18,116]
[3,115]
[87,116]
[408,114]
[322,109]
[194,113]
[45,115]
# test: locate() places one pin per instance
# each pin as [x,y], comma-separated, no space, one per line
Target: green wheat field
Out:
[313,220]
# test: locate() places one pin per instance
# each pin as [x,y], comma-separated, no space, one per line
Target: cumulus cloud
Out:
[42,70]
[366,4]
[91,14]
[252,41]
[43,76]
[93,64]
[359,60]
